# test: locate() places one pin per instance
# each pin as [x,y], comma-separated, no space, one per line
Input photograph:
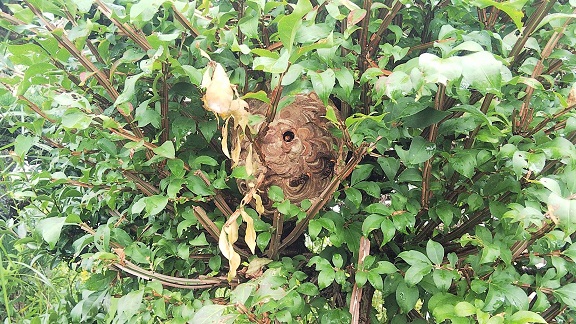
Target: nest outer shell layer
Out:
[298,153]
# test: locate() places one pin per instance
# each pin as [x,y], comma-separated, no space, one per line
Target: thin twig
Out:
[356,297]
[326,195]
[164,104]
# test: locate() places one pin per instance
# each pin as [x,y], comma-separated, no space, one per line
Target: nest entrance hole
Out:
[288,136]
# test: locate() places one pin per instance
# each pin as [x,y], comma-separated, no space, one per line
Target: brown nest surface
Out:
[298,153]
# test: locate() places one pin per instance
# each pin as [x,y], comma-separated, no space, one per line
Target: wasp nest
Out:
[298,153]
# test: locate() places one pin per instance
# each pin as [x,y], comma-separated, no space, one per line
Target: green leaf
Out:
[129,86]
[337,260]
[414,257]
[523,317]
[406,297]
[325,278]
[260,95]
[272,65]
[144,10]
[144,115]
[183,251]
[198,186]
[435,252]
[388,231]
[495,298]
[323,83]
[356,16]
[308,289]
[107,146]
[464,309]
[203,160]
[345,80]
[517,297]
[375,280]
[155,204]
[294,72]
[262,240]
[512,8]
[384,267]
[131,303]
[360,173]
[22,144]
[361,277]
[209,314]
[420,151]
[242,292]
[464,163]
[438,70]
[354,195]
[176,167]
[370,187]
[483,72]
[564,210]
[275,193]
[390,166]
[371,223]
[559,148]
[76,119]
[159,308]
[50,229]
[199,240]
[287,28]
[166,150]
[416,272]
[567,294]
[442,279]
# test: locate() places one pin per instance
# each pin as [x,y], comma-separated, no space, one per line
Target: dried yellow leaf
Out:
[249,161]
[225,247]
[241,115]
[233,263]
[232,231]
[236,151]
[225,139]
[250,236]
[259,205]
[571,96]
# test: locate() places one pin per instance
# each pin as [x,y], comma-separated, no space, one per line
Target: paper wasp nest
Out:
[298,153]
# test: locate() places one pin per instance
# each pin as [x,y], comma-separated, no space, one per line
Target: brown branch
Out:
[278,225]
[531,24]
[519,246]
[433,133]
[212,229]
[326,195]
[86,63]
[184,22]
[36,109]
[129,31]
[558,125]
[484,108]
[430,44]
[525,114]
[137,271]
[356,297]
[377,36]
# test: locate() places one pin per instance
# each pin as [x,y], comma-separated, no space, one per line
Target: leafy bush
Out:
[455,202]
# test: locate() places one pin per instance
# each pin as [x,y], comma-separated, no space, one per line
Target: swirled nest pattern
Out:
[298,153]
